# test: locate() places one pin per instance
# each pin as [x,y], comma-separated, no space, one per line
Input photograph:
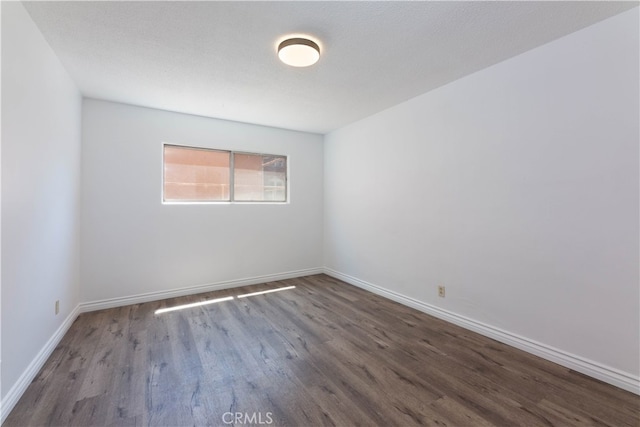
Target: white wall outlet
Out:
[441,291]
[57,306]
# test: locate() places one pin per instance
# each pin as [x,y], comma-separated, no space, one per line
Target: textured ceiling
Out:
[218,59]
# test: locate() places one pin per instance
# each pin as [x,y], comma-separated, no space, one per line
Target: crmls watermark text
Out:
[247,418]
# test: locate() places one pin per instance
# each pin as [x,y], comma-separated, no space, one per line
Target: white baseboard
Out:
[19,387]
[594,369]
[191,290]
[591,368]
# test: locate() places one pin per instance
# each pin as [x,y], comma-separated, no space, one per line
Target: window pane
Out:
[260,177]
[192,174]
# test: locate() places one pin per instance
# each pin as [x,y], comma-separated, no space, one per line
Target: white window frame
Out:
[231,200]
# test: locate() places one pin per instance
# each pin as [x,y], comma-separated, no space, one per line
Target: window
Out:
[205,175]
[194,174]
[259,177]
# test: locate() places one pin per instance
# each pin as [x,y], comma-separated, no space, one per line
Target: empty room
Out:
[320,213]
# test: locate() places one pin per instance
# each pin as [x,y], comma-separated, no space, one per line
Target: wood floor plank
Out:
[320,353]
[459,414]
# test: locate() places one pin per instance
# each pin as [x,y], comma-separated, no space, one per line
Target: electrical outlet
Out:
[57,306]
[441,291]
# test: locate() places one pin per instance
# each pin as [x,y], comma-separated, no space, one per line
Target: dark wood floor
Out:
[324,353]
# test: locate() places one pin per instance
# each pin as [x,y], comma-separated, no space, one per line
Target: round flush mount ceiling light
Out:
[298,52]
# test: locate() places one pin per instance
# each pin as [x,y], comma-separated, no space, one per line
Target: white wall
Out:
[133,244]
[515,187]
[41,109]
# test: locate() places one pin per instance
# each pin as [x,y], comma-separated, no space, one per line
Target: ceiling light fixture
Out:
[298,52]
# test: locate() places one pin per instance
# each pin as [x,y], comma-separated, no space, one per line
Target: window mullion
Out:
[231,177]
